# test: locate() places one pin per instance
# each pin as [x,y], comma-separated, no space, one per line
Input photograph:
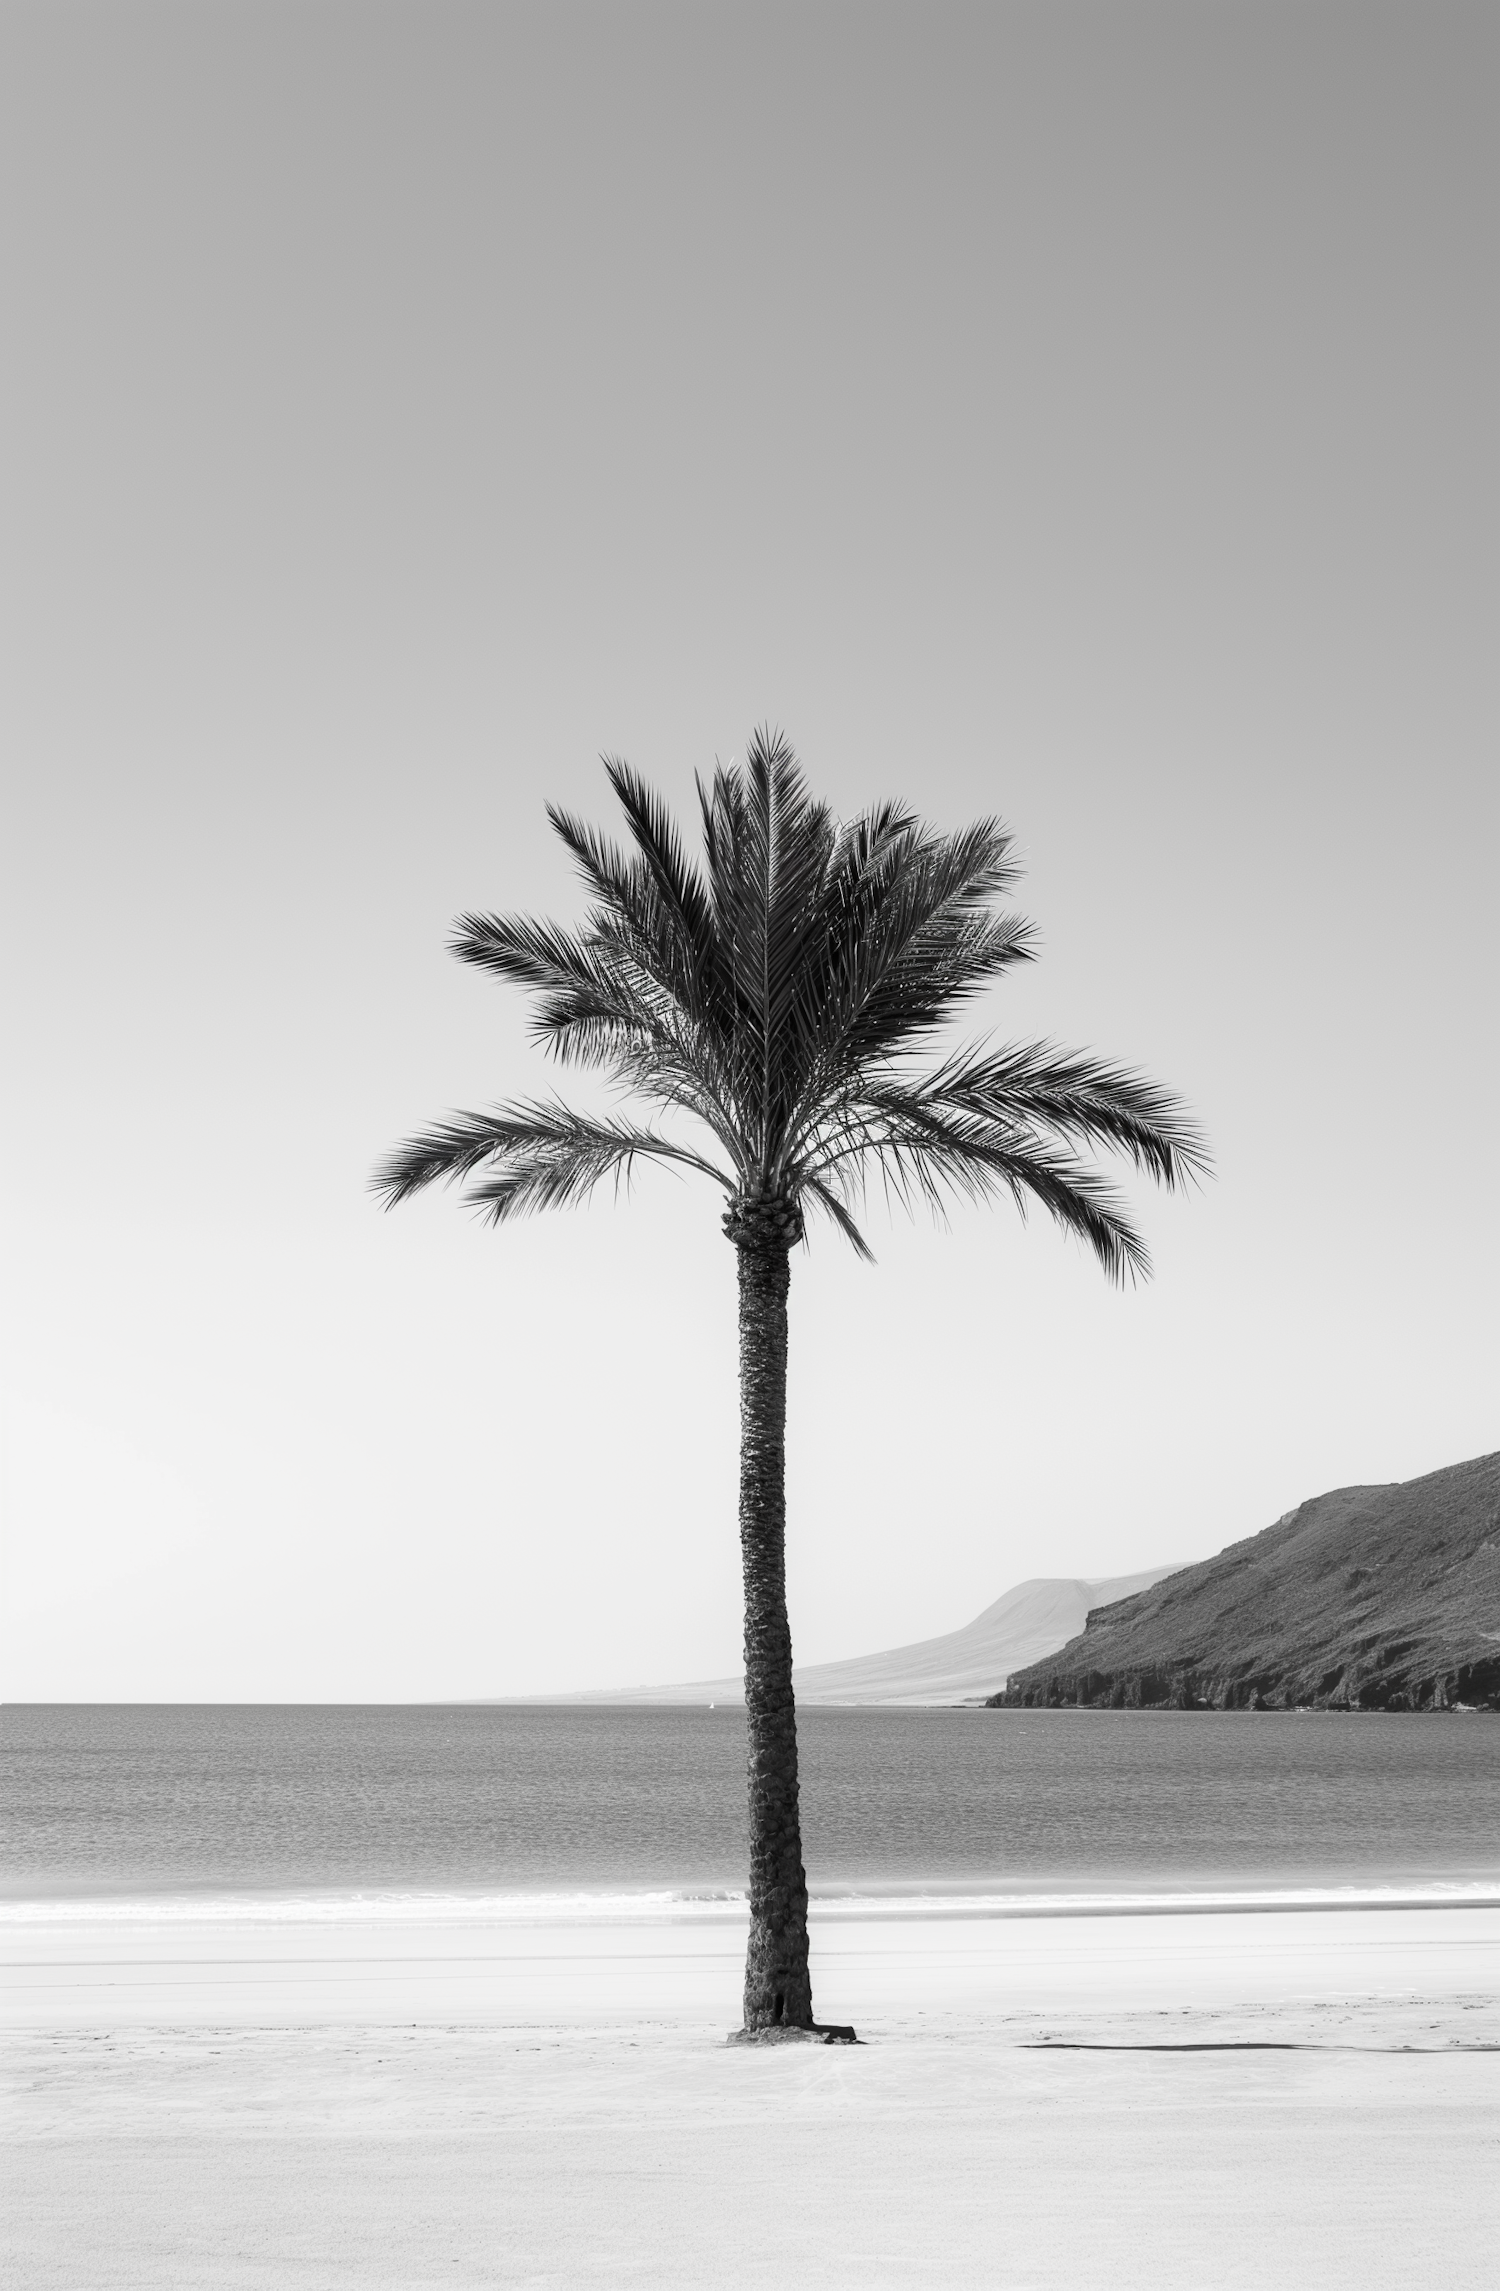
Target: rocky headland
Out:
[1368,1598]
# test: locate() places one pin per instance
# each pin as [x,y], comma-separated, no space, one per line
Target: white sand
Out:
[315,2104]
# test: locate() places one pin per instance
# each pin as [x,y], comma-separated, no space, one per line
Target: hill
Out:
[1027,1622]
[1369,1598]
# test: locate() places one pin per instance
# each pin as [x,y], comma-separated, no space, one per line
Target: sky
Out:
[1081,413]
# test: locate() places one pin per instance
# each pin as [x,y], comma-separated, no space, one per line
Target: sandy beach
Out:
[1308,2097]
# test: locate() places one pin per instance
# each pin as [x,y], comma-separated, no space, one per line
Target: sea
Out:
[523,1810]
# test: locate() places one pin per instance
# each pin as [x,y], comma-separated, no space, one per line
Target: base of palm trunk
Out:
[821,2032]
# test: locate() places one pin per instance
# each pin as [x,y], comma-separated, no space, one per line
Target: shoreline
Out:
[651,1964]
[1039,2102]
[692,1902]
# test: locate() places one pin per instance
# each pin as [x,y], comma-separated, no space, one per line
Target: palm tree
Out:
[767,1009]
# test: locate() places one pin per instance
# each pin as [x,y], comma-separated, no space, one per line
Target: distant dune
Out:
[1368,1598]
[1032,1620]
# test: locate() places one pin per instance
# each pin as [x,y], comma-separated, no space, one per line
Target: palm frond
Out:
[927,1153]
[602,864]
[905,945]
[520,948]
[540,1157]
[829,1202]
[678,885]
[767,846]
[586,1011]
[1086,1099]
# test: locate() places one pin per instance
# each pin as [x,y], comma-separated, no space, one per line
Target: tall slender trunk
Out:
[778,1987]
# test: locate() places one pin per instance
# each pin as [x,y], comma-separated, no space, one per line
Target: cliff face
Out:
[1380,1598]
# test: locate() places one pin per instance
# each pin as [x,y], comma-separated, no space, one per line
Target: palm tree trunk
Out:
[778,1987]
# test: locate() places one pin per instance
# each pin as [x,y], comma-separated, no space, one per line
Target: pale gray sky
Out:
[1080,412]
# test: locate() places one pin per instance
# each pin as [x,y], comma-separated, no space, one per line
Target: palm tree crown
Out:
[781,993]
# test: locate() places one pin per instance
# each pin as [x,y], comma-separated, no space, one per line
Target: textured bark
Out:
[778,1987]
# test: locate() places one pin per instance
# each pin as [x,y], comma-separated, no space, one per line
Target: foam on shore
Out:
[367,1906]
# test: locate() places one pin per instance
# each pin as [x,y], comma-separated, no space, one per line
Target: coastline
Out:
[1039,2101]
[539,1960]
[1131,2000]
[937,1897]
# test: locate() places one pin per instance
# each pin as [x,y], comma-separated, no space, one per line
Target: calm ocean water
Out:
[144,1800]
